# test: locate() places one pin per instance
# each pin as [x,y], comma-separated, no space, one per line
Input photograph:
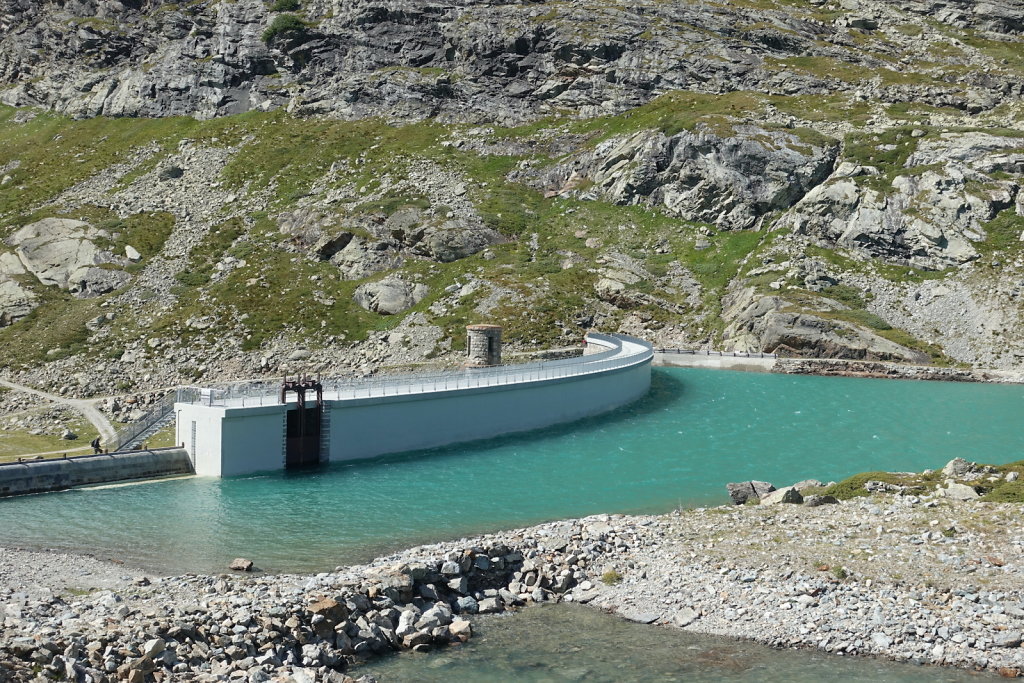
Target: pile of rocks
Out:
[130,408]
[212,627]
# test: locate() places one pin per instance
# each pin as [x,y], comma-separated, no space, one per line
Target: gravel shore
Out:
[911,578]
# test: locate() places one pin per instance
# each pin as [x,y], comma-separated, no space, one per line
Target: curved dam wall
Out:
[36,476]
[234,435]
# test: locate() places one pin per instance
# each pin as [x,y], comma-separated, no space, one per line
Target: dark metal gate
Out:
[302,435]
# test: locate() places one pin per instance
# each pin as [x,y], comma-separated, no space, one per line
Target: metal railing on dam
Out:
[620,351]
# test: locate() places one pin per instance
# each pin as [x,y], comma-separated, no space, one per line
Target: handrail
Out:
[128,433]
[617,355]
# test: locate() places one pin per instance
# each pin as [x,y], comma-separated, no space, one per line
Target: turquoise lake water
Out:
[697,430]
[570,643]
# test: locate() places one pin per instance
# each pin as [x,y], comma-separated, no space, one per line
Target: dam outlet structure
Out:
[248,429]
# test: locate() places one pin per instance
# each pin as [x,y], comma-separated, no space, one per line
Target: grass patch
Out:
[860,317]
[845,294]
[145,232]
[1002,233]
[283,25]
[164,438]
[14,444]
[58,323]
[83,149]
[1006,492]
[206,255]
[677,111]
[853,487]
[611,577]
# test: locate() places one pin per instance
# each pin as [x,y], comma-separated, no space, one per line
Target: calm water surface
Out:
[566,643]
[697,430]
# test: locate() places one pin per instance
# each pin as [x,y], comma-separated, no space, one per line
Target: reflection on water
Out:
[564,643]
[697,430]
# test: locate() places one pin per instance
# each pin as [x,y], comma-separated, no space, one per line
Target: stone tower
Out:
[483,346]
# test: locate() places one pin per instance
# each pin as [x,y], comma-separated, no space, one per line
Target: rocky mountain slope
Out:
[211,189]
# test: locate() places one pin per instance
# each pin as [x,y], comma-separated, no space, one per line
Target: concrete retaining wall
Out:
[38,476]
[683,360]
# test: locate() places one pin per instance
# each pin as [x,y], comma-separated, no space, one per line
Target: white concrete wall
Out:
[244,439]
[366,428]
[232,441]
[206,458]
[685,360]
[253,440]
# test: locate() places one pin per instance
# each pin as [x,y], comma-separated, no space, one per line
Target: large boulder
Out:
[62,252]
[742,491]
[955,491]
[788,494]
[390,295]
[363,257]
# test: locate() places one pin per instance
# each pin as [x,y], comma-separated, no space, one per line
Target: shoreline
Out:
[838,367]
[909,578]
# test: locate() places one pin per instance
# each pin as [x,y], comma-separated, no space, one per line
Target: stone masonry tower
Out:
[483,346]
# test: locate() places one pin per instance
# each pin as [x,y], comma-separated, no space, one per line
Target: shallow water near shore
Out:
[565,643]
[697,430]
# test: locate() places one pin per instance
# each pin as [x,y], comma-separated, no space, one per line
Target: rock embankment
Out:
[922,578]
[840,367]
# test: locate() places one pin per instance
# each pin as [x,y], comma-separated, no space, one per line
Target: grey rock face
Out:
[16,301]
[470,61]
[732,182]
[761,323]
[931,215]
[390,295]
[62,252]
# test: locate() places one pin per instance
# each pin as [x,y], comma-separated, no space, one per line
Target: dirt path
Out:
[87,408]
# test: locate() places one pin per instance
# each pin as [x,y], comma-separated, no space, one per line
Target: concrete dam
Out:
[243,430]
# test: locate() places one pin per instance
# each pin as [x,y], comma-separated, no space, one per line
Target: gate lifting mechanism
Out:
[303,423]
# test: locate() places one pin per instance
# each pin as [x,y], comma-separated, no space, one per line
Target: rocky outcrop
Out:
[772,325]
[64,253]
[390,295]
[364,245]
[731,181]
[930,214]
[472,61]
[853,368]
